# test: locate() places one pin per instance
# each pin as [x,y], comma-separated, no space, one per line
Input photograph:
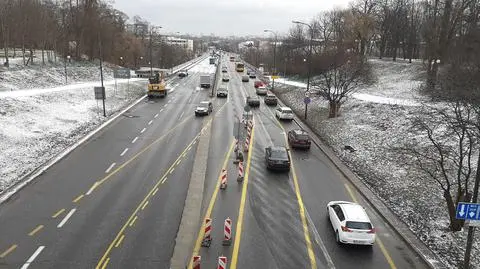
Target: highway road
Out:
[117,201]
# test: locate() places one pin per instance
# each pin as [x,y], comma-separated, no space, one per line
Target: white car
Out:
[350,223]
[284,113]
[261,90]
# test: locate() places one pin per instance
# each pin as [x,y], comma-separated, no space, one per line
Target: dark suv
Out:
[299,139]
[277,158]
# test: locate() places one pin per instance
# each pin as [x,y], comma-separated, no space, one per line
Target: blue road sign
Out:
[307,100]
[468,211]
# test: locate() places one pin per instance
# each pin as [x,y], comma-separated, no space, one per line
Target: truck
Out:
[205,81]
[157,86]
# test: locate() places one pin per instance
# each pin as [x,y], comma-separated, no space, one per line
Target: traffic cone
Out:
[227,231]
[223,183]
[240,172]
[207,238]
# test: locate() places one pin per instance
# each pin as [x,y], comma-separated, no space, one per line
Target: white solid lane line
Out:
[124,151]
[32,258]
[60,225]
[110,168]
[150,122]
[156,115]
[135,140]
[143,130]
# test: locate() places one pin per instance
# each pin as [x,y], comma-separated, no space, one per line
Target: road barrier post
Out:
[223,184]
[227,231]
[207,238]
[222,262]
[196,262]
[247,143]
[240,172]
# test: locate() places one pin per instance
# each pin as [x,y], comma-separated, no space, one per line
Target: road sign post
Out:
[307,101]
[100,95]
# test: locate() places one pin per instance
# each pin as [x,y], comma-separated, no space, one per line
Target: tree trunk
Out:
[334,108]
[455,224]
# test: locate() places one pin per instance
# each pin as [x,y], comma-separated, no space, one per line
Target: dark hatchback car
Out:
[299,139]
[277,158]
[270,100]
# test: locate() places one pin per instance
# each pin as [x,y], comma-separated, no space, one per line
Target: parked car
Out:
[284,113]
[245,79]
[225,78]
[350,223]
[204,108]
[270,100]
[258,83]
[222,91]
[277,158]
[299,139]
[183,73]
[253,101]
[262,90]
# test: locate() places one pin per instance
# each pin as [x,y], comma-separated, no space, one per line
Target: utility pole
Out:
[101,73]
[471,229]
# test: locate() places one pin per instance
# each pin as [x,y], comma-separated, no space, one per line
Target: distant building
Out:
[186,44]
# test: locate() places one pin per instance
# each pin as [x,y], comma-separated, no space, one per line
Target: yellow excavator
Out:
[157,86]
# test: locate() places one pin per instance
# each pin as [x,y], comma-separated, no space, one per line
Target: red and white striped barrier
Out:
[222,262]
[207,237]
[250,123]
[249,132]
[227,231]
[246,145]
[223,183]
[196,262]
[240,172]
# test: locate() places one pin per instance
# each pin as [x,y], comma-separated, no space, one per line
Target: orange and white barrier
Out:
[196,262]
[246,145]
[227,231]
[240,172]
[222,262]
[223,183]
[207,238]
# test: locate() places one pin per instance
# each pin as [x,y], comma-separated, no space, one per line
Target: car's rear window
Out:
[302,137]
[287,111]
[359,225]
[280,154]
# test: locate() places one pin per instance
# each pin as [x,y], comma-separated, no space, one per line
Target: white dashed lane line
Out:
[182,114]
[110,168]
[33,257]
[124,151]
[161,110]
[65,219]
[156,115]
[135,140]
[150,122]
[143,130]
[165,105]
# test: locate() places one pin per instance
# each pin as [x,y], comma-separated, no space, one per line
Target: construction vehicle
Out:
[157,86]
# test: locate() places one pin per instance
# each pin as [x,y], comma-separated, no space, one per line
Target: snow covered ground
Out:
[384,111]
[39,119]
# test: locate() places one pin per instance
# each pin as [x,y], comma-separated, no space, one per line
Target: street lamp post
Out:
[274,58]
[309,60]
[65,62]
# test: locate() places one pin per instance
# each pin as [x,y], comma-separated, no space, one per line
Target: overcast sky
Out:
[226,17]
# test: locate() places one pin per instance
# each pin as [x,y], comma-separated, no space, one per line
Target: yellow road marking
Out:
[141,152]
[133,221]
[144,205]
[377,239]
[58,213]
[78,198]
[6,252]
[301,206]
[211,204]
[137,209]
[236,243]
[34,231]
[106,263]
[155,192]
[119,241]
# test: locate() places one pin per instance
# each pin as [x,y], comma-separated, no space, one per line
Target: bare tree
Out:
[342,75]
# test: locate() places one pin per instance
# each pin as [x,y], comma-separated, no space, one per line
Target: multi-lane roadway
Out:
[117,200]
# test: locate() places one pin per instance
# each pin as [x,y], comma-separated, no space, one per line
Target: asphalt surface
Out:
[106,206]
[70,229]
